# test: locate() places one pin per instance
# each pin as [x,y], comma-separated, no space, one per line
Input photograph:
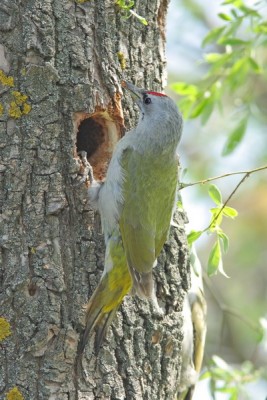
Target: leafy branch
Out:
[234,68]
[235,78]
[126,7]
[225,378]
[217,213]
[221,210]
[215,257]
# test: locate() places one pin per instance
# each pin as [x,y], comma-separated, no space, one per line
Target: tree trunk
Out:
[69,59]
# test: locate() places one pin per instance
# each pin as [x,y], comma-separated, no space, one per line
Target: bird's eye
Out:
[147,100]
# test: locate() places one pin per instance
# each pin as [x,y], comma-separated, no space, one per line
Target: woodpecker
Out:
[136,202]
[194,327]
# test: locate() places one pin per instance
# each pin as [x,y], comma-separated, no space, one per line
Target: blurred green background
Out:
[235,305]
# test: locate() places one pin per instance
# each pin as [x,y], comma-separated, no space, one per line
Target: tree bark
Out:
[69,59]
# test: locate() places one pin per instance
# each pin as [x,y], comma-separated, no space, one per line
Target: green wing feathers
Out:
[149,191]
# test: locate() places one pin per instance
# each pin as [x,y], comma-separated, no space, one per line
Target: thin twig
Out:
[228,199]
[216,294]
[235,313]
[202,182]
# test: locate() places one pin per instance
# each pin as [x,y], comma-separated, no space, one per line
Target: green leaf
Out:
[205,375]
[232,41]
[213,35]
[238,65]
[229,390]
[193,236]
[238,74]
[197,110]
[184,89]
[215,259]
[225,17]
[195,262]
[255,66]
[215,194]
[219,362]
[235,137]
[218,61]
[185,106]
[213,57]
[207,111]
[219,67]
[216,219]
[230,212]
[123,5]
[225,240]
[179,205]
[221,269]
[233,27]
[236,3]
[141,19]
[249,11]
[234,13]
[261,28]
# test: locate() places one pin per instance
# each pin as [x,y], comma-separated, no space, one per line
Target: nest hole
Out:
[90,136]
[97,135]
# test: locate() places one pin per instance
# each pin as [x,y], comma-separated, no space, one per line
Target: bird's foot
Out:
[87,170]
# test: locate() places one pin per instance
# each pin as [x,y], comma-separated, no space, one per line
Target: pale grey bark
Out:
[63,55]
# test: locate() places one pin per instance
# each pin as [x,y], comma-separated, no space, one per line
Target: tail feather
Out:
[115,283]
[102,309]
[102,327]
[91,322]
[143,284]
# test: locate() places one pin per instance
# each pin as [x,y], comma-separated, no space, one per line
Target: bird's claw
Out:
[87,172]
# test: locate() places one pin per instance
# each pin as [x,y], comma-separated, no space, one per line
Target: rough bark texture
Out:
[64,56]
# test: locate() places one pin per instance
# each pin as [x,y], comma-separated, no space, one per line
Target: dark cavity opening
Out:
[90,136]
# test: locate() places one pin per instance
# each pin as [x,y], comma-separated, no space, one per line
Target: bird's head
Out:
[155,107]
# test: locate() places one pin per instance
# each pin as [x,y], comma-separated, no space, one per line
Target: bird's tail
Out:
[143,286]
[115,283]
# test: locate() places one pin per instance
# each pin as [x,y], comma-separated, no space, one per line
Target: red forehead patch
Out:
[157,94]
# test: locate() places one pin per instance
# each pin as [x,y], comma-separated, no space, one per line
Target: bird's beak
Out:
[136,93]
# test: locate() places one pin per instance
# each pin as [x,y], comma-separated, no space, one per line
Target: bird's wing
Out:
[148,197]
